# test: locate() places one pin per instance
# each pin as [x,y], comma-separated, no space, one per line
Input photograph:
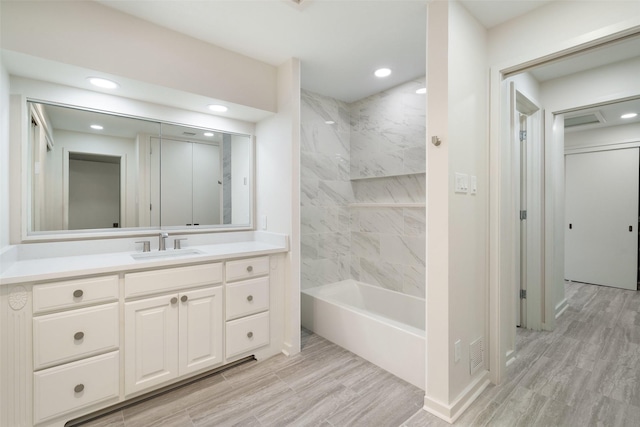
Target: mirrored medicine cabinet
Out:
[96,171]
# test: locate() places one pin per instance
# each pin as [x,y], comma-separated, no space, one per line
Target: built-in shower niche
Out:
[387,133]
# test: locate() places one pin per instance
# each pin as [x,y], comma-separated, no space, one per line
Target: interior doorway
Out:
[505,252]
[94,191]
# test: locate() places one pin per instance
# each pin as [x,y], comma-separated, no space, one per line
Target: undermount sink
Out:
[175,253]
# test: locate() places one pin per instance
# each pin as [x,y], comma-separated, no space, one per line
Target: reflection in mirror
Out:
[97,171]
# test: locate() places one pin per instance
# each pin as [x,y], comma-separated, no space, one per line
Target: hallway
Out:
[585,373]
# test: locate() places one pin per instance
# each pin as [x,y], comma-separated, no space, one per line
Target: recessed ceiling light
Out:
[628,116]
[103,83]
[208,134]
[383,72]
[422,91]
[218,108]
[329,122]
[97,127]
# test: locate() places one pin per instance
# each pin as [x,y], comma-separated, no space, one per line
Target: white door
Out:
[200,329]
[601,235]
[207,181]
[151,335]
[176,202]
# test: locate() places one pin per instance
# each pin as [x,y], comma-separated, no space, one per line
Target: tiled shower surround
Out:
[346,232]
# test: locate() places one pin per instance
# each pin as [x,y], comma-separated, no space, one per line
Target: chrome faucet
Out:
[162,243]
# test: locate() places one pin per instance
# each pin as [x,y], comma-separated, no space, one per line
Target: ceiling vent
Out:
[584,120]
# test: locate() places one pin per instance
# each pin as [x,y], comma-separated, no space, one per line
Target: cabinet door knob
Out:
[250,298]
[250,269]
[78,293]
[184,298]
[250,335]
[78,336]
[79,388]
[174,300]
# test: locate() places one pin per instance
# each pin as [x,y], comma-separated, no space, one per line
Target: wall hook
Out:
[436,141]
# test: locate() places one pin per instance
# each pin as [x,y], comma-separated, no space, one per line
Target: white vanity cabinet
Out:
[176,333]
[75,345]
[247,305]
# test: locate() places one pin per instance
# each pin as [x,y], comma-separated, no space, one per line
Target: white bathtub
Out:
[379,325]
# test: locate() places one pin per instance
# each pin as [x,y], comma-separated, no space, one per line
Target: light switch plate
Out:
[461,182]
[474,184]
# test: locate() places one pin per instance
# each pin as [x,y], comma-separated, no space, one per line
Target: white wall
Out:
[457,223]
[240,179]
[278,187]
[88,34]
[4,158]
[601,137]
[558,25]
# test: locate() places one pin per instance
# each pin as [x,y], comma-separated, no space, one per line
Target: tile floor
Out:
[585,373]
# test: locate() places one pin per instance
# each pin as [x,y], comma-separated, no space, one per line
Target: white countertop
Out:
[51,268]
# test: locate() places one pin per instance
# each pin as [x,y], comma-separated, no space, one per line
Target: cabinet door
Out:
[200,329]
[151,334]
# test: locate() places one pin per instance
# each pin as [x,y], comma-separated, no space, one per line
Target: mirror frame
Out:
[20,118]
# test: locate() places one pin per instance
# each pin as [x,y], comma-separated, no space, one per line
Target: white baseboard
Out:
[451,412]
[561,307]
[511,357]
[287,349]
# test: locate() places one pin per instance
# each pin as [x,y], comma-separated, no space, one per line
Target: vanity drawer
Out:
[71,335]
[169,279]
[247,333]
[247,268]
[247,297]
[69,387]
[74,293]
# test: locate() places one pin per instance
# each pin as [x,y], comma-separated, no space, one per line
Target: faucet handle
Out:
[176,243]
[146,245]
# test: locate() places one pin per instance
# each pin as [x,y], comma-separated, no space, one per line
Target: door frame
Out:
[65,183]
[501,238]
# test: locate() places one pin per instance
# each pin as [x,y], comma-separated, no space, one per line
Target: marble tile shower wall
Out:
[388,132]
[383,246]
[325,190]
[388,243]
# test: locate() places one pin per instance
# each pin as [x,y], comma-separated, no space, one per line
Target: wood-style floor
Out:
[585,373]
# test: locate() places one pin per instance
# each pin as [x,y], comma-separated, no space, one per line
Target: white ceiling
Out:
[340,43]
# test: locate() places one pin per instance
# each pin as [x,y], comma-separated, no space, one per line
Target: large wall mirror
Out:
[95,171]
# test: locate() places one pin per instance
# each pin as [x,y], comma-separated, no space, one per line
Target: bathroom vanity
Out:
[81,333]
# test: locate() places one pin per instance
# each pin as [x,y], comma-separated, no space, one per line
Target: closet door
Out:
[601,200]
[176,183]
[207,181]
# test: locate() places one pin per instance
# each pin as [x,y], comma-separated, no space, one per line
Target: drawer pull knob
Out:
[184,298]
[79,388]
[250,335]
[250,298]
[78,293]
[78,336]
[250,269]
[174,300]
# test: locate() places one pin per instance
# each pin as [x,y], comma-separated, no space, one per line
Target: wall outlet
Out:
[456,351]
[263,222]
